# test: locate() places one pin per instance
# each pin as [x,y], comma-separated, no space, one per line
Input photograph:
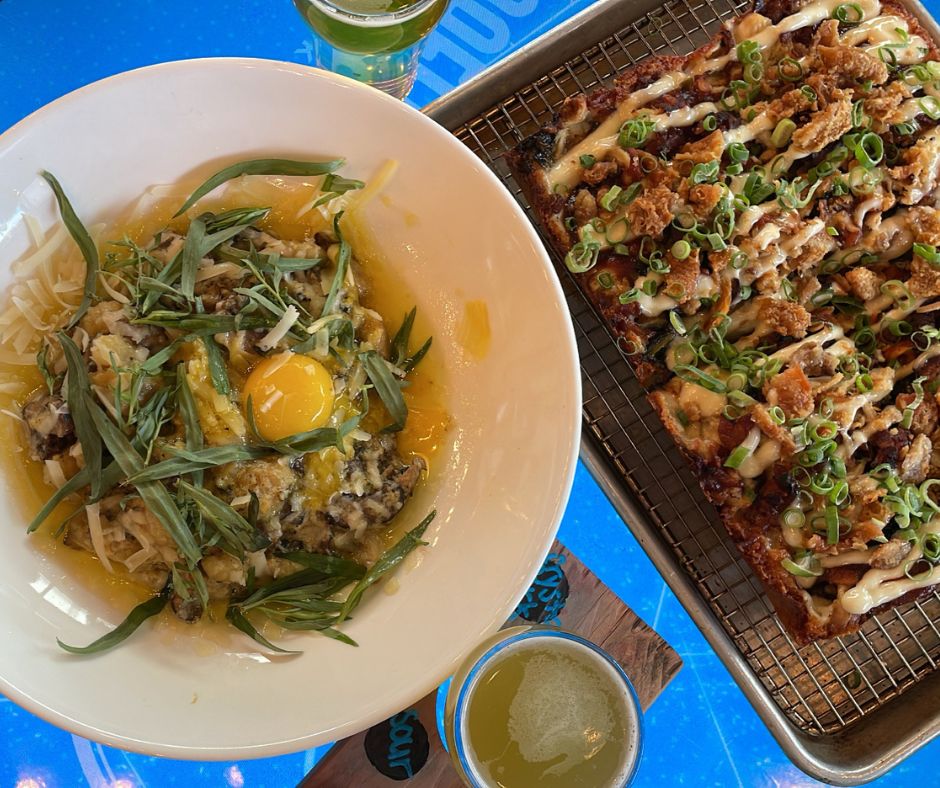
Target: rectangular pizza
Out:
[757,224]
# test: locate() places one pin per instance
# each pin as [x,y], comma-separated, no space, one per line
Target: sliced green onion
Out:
[631,192]
[887,55]
[863,180]
[790,70]
[609,201]
[869,150]
[684,353]
[858,113]
[931,107]
[918,387]
[605,279]
[710,123]
[737,457]
[634,132]
[840,492]
[900,328]
[925,494]
[739,398]
[582,256]
[630,296]
[738,152]
[704,172]
[716,242]
[928,253]
[806,567]
[681,250]
[849,13]
[899,292]
[617,231]
[832,525]
[809,93]
[677,323]
[837,466]
[793,518]
[782,132]
[748,52]
[587,161]
[694,375]
[686,222]
[930,547]
[658,264]
[737,95]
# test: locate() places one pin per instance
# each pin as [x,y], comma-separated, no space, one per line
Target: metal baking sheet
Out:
[846,710]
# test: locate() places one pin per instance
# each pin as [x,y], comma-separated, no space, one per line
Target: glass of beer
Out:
[539,706]
[374,41]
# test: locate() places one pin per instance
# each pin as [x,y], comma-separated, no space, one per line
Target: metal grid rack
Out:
[821,688]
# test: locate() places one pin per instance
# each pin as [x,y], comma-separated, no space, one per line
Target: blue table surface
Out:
[701,731]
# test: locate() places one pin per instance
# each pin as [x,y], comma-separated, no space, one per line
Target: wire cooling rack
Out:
[823,693]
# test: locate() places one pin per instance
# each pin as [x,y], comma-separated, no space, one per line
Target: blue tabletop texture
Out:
[701,731]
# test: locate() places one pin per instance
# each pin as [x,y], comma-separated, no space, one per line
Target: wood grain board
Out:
[565,593]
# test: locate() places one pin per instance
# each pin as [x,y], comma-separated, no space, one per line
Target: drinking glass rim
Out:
[492,651]
[392,16]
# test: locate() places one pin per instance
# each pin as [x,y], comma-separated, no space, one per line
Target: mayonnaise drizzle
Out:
[879,586]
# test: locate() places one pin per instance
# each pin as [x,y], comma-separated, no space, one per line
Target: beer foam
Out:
[562,708]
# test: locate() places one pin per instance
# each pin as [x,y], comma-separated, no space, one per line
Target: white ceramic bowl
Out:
[500,489]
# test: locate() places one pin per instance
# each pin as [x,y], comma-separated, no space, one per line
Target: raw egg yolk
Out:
[289,394]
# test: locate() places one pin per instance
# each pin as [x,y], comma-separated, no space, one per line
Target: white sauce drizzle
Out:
[879,586]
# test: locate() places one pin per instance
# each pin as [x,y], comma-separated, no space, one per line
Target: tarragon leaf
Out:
[218,372]
[388,388]
[190,416]
[400,342]
[78,387]
[260,167]
[240,622]
[329,565]
[125,629]
[342,264]
[47,376]
[186,461]
[204,324]
[335,185]
[82,240]
[234,529]
[154,363]
[154,494]
[385,564]
[205,233]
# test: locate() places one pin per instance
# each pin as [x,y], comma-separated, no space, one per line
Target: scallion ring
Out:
[790,70]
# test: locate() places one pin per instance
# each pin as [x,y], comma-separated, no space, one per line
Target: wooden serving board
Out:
[407,747]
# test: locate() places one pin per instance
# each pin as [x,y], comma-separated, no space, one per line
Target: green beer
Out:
[383,25]
[542,708]
[374,41]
